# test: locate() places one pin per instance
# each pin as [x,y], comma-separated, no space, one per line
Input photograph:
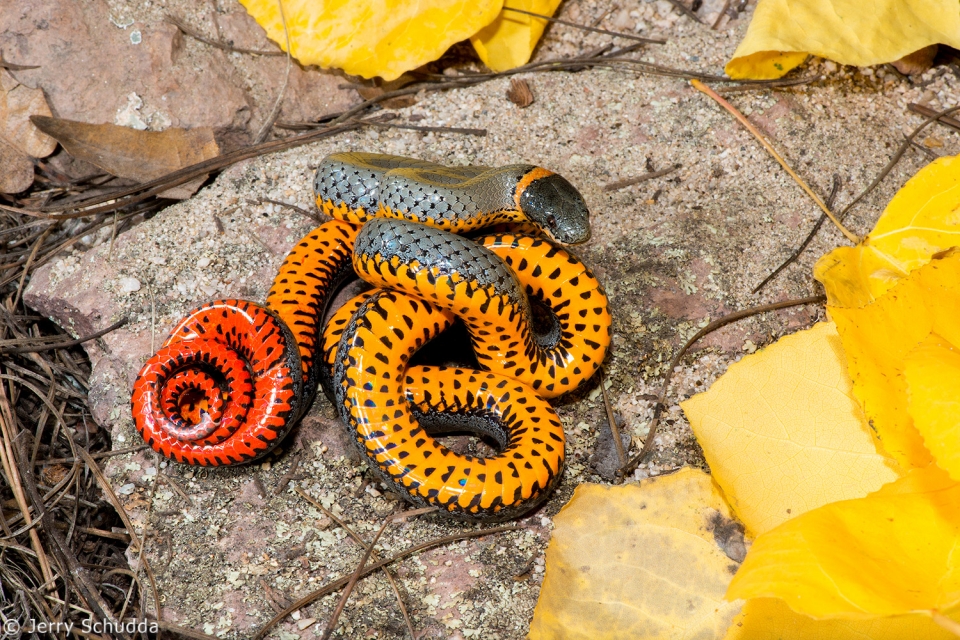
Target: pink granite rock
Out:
[139,71]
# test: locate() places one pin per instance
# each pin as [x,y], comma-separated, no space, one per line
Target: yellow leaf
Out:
[886,297]
[766,618]
[857,32]
[783,434]
[638,561]
[932,372]
[372,37]
[508,41]
[920,221]
[878,338]
[888,554]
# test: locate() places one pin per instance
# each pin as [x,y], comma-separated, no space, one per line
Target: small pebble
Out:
[129,285]
[306,622]
[203,262]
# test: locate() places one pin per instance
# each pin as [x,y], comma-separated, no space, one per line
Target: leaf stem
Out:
[699,86]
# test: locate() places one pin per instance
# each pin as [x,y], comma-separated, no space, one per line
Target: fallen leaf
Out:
[887,297]
[134,154]
[20,141]
[918,62]
[932,373]
[922,219]
[890,553]
[858,32]
[508,41]
[372,37]
[766,618]
[520,93]
[878,338]
[783,434]
[638,561]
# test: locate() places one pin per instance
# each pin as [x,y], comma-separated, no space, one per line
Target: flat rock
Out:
[123,64]
[673,253]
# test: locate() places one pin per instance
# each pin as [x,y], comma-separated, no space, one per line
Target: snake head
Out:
[557,206]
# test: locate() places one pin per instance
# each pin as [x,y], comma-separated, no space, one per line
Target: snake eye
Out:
[552,221]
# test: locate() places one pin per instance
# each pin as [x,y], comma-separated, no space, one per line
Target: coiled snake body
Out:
[234,377]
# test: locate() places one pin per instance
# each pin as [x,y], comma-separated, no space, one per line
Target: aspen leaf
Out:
[638,561]
[878,338]
[508,41]
[372,37]
[130,153]
[783,434]
[765,618]
[922,219]
[890,553]
[932,372]
[856,32]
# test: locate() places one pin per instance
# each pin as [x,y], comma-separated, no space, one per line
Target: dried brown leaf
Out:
[519,93]
[916,63]
[19,140]
[17,173]
[133,154]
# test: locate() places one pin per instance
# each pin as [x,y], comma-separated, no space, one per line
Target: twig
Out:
[953,123]
[629,182]
[772,84]
[288,476]
[313,215]
[413,127]
[616,34]
[176,487]
[699,86]
[713,326]
[723,12]
[12,473]
[803,245]
[612,421]
[68,344]
[196,35]
[309,126]
[687,11]
[96,456]
[368,569]
[275,111]
[16,67]
[26,266]
[153,321]
[113,237]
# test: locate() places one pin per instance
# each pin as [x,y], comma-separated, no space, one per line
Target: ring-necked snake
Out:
[234,376]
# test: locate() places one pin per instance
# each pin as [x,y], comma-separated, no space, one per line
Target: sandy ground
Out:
[673,253]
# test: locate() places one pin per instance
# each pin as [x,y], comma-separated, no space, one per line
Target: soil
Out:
[674,253]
